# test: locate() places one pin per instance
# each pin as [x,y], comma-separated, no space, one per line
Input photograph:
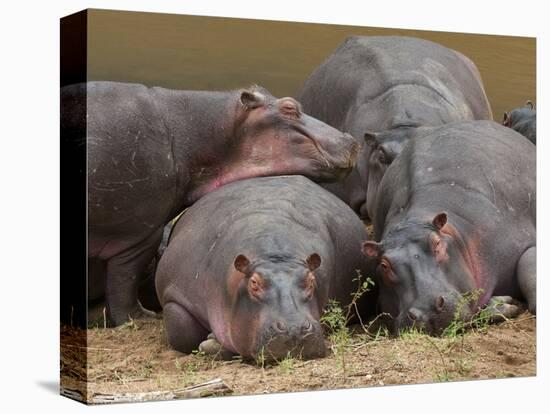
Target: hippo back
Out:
[393,74]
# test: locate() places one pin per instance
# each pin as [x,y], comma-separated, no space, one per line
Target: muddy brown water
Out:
[209,53]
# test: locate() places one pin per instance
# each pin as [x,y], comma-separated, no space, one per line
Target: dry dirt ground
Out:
[136,358]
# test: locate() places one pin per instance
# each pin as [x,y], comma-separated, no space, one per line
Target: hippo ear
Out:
[251,100]
[313,261]
[440,220]
[371,138]
[530,105]
[371,249]
[506,119]
[241,263]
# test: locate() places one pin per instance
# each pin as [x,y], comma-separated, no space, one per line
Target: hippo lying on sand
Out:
[456,214]
[523,120]
[154,151]
[383,88]
[255,262]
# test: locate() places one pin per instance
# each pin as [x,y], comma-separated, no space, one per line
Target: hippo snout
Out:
[433,319]
[282,339]
[342,157]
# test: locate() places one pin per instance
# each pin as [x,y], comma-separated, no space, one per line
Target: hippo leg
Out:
[184,332]
[212,347]
[123,276]
[501,308]
[527,277]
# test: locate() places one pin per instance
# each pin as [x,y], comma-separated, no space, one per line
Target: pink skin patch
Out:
[474,266]
[219,317]
[241,173]
[220,328]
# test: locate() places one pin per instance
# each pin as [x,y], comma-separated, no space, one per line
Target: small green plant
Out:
[287,365]
[336,319]
[261,358]
[482,319]
[463,366]
[198,353]
[411,333]
[460,322]
[130,325]
[443,377]
[381,332]
[188,371]
[363,286]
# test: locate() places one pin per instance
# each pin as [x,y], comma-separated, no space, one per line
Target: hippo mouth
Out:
[336,166]
[274,348]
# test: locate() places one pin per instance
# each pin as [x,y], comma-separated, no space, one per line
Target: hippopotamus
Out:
[523,120]
[153,151]
[255,263]
[455,218]
[382,88]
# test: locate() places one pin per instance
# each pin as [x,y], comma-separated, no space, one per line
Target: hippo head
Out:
[276,311]
[274,137]
[421,275]
[382,148]
[516,115]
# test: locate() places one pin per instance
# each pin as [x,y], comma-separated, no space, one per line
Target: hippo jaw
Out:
[336,158]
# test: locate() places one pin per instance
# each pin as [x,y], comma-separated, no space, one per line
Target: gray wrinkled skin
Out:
[387,87]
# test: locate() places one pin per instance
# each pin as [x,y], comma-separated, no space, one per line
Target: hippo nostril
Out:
[280,326]
[307,327]
[412,315]
[440,304]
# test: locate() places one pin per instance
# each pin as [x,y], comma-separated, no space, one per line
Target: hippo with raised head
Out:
[154,151]
[523,120]
[455,214]
[383,88]
[255,262]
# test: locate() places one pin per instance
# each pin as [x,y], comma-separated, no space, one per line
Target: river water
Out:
[206,53]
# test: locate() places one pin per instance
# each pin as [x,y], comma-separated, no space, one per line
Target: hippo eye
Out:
[289,109]
[387,273]
[255,288]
